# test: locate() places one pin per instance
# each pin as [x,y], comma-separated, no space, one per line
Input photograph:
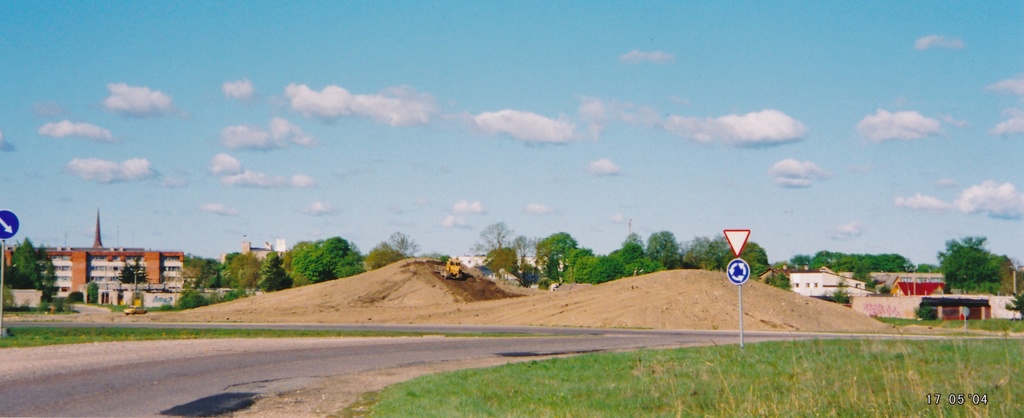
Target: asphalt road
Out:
[200,381]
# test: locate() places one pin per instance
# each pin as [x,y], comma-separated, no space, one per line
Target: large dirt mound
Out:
[412,292]
[405,284]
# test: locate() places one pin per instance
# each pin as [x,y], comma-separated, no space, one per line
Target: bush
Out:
[76,297]
[545,284]
[92,292]
[60,305]
[926,313]
[235,294]
[841,297]
[191,299]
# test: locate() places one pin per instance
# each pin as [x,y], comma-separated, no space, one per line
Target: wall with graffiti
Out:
[152,300]
[887,307]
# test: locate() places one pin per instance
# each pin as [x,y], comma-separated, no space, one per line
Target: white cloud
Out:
[104,171]
[466,207]
[617,218]
[906,125]
[302,181]
[4,146]
[1013,86]
[938,41]
[1012,126]
[232,173]
[281,129]
[67,128]
[846,232]
[225,164]
[1002,201]
[923,202]
[767,127]
[249,178]
[946,183]
[240,89]
[137,101]
[218,209]
[247,137]
[253,137]
[539,209]
[603,167]
[399,106]
[599,113]
[524,126]
[636,56]
[997,200]
[452,221]
[318,209]
[795,174]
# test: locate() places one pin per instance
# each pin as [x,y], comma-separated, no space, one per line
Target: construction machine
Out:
[452,269]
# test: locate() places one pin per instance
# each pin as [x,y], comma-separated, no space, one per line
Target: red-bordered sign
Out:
[737,239]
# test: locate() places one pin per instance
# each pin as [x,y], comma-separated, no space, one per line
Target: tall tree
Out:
[707,254]
[552,253]
[200,272]
[272,275]
[755,255]
[663,248]
[133,273]
[968,266]
[31,268]
[405,245]
[329,259]
[503,260]
[526,248]
[494,237]
[241,271]
[381,255]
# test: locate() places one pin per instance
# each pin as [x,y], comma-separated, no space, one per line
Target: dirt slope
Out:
[412,292]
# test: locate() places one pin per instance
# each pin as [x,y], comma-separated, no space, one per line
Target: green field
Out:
[38,336]
[868,378]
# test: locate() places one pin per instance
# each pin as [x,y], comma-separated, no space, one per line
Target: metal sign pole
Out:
[3,263]
[741,316]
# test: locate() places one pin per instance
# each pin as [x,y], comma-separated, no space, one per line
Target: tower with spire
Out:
[97,242]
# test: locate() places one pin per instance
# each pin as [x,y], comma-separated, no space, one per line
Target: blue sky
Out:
[872,127]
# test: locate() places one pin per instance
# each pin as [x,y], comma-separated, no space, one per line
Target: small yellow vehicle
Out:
[452,269]
[135,310]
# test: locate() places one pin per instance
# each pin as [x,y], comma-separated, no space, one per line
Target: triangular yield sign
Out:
[737,239]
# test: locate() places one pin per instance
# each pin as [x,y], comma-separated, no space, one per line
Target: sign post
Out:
[8,227]
[738,270]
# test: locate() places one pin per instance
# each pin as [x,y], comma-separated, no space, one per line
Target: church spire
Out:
[97,242]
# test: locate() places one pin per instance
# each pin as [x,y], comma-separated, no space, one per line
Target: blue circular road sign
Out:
[8,224]
[738,271]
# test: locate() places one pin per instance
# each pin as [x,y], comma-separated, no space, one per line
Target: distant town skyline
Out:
[877,127]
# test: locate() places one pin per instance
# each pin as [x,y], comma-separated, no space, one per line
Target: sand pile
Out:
[412,292]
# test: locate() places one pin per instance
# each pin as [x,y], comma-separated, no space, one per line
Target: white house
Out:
[824,282]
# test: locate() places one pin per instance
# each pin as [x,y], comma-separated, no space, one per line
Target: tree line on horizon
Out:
[558,258]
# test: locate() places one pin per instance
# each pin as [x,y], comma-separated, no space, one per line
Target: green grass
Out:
[39,336]
[995,325]
[809,378]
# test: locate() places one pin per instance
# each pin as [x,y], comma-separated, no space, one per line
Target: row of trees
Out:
[560,258]
[966,263]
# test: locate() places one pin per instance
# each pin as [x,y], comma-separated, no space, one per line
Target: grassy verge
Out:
[995,325]
[807,378]
[39,336]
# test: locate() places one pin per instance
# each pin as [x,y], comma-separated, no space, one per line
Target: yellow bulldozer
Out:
[452,269]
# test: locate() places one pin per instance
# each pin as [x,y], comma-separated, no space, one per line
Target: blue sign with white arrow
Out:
[8,224]
[738,271]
